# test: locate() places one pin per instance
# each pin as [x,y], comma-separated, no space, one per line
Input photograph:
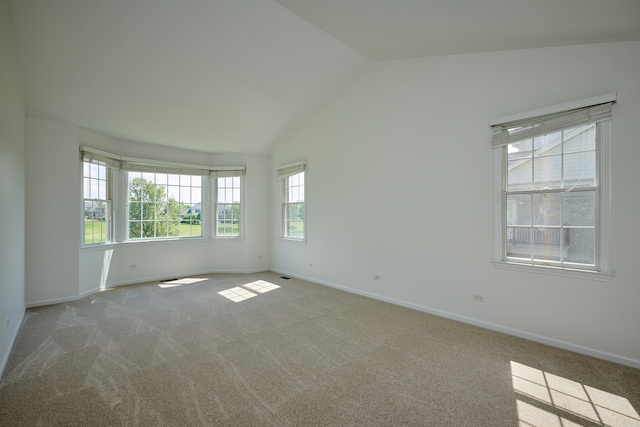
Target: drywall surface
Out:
[52,211]
[12,188]
[399,185]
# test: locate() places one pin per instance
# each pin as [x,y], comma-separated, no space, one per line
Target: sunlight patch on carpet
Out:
[565,396]
[237,294]
[261,286]
[180,282]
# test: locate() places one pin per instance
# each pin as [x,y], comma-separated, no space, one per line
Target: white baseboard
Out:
[51,301]
[486,325]
[5,357]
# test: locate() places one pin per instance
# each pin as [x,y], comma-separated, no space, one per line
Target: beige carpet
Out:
[261,350]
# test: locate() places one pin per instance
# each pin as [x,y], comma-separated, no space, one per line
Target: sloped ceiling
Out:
[395,29]
[234,75]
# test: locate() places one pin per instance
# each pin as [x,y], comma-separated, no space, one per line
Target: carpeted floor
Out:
[257,349]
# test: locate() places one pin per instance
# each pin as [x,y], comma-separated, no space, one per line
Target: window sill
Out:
[292,239]
[554,271]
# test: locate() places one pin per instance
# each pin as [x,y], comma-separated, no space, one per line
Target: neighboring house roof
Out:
[192,209]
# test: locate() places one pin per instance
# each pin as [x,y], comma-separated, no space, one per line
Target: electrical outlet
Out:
[132,266]
[377,277]
[478,298]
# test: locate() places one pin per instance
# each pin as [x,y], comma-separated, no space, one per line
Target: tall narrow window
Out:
[553,204]
[293,206]
[164,205]
[227,206]
[97,215]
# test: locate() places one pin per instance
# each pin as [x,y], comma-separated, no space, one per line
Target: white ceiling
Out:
[234,75]
[394,29]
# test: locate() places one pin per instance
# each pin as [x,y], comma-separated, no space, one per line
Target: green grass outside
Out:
[95,231]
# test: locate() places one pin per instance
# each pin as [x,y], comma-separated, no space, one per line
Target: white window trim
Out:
[603,216]
[118,187]
[213,223]
[282,173]
[111,233]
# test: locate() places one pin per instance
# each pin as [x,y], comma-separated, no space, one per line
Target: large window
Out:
[157,199]
[97,206]
[164,205]
[553,197]
[293,200]
[293,206]
[227,207]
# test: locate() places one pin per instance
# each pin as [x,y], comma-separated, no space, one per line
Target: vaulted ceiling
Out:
[234,75]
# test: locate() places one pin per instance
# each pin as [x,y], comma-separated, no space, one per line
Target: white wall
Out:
[52,214]
[110,265]
[399,183]
[12,188]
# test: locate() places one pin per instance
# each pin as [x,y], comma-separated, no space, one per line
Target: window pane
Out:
[228,220]
[519,175]
[102,190]
[518,242]
[165,210]
[173,229]
[579,208]
[95,222]
[547,172]
[546,209]
[94,173]
[547,243]
[102,172]
[185,195]
[581,245]
[161,179]
[135,229]
[86,188]
[580,139]
[548,144]
[294,220]
[519,150]
[579,169]
[135,211]
[519,209]
[148,229]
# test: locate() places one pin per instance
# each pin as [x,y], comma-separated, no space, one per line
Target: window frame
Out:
[284,173]
[179,174]
[108,212]
[602,268]
[216,203]
[118,168]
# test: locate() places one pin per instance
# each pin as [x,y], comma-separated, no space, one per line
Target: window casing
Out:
[293,213]
[228,191]
[294,207]
[552,191]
